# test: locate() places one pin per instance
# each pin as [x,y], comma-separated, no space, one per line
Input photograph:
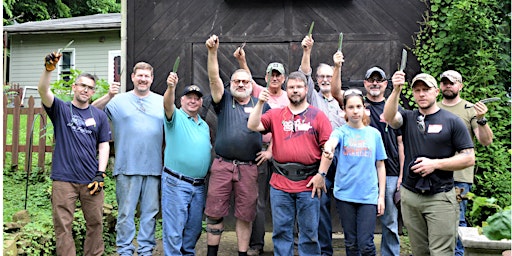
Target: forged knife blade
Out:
[176,65]
[67,45]
[340,42]
[404,60]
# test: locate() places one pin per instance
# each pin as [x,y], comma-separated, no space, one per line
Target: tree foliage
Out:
[473,37]
[37,10]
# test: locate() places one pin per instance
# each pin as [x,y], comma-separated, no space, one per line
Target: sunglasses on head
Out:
[420,121]
[351,92]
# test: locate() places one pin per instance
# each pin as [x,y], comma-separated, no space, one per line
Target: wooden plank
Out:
[15,132]
[5,124]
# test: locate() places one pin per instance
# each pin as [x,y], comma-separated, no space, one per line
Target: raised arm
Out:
[336,90]
[254,123]
[483,133]
[216,86]
[307,45]
[51,61]
[112,91]
[391,114]
[239,55]
[170,95]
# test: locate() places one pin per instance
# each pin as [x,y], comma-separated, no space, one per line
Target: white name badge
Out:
[434,128]
[90,122]
[248,109]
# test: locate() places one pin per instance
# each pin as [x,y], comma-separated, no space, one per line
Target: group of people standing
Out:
[285,140]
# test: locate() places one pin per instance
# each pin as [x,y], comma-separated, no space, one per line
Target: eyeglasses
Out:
[238,81]
[322,77]
[420,120]
[350,92]
[86,87]
[372,80]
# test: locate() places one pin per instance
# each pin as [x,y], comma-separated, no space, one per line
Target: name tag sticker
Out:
[434,128]
[248,109]
[90,122]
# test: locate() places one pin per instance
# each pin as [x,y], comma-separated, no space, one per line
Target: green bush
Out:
[38,237]
[473,37]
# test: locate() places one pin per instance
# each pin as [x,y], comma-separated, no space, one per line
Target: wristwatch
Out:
[482,121]
[322,173]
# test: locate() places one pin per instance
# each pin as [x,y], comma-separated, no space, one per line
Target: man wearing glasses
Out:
[436,143]
[275,76]
[375,84]
[325,101]
[234,170]
[79,160]
[473,116]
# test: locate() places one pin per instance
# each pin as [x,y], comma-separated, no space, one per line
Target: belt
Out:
[193,181]
[235,162]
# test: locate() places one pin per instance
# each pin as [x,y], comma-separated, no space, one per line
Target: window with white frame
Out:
[66,63]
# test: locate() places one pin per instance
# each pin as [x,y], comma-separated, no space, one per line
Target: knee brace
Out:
[213,222]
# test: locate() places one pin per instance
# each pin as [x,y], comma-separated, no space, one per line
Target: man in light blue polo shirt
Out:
[186,161]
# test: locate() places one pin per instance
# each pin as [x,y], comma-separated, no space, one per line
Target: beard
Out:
[450,95]
[238,94]
[79,99]
[374,93]
[297,102]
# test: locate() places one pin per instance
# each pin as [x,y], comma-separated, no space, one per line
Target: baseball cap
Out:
[193,89]
[429,80]
[275,66]
[370,72]
[452,75]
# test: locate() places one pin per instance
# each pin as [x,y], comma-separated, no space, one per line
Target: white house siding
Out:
[27,52]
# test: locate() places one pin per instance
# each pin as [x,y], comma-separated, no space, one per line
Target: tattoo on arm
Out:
[466,151]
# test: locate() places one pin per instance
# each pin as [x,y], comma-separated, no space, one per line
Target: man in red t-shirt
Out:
[298,134]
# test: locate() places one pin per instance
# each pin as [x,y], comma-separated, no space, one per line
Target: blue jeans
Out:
[325,224]
[182,214]
[358,223]
[459,248]
[130,189]
[285,207]
[390,244]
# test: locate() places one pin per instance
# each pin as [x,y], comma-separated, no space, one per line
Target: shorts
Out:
[240,180]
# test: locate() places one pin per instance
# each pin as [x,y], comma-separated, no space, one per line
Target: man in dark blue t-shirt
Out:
[436,143]
[79,160]
[234,170]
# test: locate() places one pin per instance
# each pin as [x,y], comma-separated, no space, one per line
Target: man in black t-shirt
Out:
[432,137]
[375,82]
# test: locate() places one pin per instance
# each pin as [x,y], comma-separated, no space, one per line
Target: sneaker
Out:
[254,252]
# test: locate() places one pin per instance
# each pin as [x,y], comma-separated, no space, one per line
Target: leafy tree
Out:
[473,37]
[37,10]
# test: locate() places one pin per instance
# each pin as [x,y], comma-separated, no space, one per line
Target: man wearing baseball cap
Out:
[187,137]
[473,116]
[431,137]
[375,83]
[275,76]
